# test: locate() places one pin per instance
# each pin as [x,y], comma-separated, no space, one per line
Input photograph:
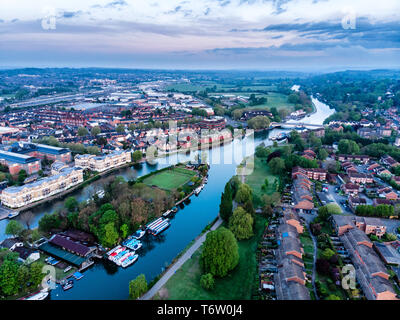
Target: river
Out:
[107,281]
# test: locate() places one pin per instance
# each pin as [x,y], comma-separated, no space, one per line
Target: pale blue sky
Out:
[201,34]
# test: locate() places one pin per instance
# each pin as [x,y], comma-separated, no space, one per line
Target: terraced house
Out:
[104,162]
[17,197]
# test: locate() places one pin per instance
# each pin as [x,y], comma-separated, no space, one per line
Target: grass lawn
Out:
[274,99]
[238,285]
[260,173]
[170,179]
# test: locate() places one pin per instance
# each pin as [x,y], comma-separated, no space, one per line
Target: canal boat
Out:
[153,224]
[160,228]
[68,285]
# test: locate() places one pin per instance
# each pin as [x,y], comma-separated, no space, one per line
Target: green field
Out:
[260,173]
[238,285]
[170,179]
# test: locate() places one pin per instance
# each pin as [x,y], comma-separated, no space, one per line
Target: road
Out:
[181,260]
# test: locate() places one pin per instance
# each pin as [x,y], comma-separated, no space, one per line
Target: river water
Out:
[107,281]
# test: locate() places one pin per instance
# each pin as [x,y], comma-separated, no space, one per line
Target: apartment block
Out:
[104,162]
[16,197]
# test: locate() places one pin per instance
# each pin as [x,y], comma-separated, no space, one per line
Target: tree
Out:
[71,204]
[137,156]
[35,235]
[82,131]
[124,230]
[322,154]
[23,276]
[22,175]
[49,222]
[332,297]
[259,122]
[277,166]
[137,287]
[327,253]
[225,207]
[333,208]
[14,228]
[346,146]
[244,194]
[95,131]
[220,252]
[8,277]
[110,235]
[207,281]
[120,128]
[36,275]
[241,224]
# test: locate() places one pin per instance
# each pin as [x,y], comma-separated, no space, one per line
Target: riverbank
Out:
[184,284]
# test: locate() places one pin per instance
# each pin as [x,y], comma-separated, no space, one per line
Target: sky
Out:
[301,35]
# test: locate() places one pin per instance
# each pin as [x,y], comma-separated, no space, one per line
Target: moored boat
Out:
[40,295]
[129,260]
[68,285]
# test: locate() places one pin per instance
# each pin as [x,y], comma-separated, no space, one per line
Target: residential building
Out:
[16,197]
[350,157]
[311,173]
[302,197]
[350,188]
[371,273]
[213,123]
[104,162]
[42,151]
[360,178]
[17,162]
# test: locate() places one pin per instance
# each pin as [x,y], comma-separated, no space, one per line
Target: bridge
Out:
[286,125]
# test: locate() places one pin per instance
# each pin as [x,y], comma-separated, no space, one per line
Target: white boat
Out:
[123,257]
[139,234]
[129,260]
[197,191]
[41,295]
[113,250]
[67,269]
[12,215]
[167,213]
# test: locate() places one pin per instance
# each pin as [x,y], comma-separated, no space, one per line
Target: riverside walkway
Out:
[181,260]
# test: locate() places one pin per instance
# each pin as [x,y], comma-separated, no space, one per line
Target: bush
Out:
[207,281]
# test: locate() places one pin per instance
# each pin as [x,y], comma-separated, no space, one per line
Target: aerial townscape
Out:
[197,175]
